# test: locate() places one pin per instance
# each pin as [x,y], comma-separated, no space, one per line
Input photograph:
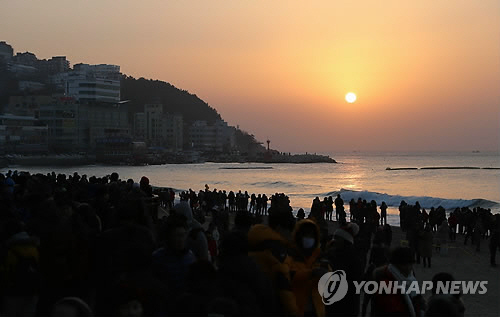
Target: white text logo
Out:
[333,287]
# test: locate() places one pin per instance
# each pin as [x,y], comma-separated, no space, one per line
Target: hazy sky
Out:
[426,73]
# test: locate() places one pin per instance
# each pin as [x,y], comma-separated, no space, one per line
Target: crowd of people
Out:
[208,199]
[425,230]
[73,245]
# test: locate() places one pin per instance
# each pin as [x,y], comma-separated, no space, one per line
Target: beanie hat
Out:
[347,232]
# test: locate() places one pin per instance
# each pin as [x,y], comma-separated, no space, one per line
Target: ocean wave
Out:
[424,201]
[176,190]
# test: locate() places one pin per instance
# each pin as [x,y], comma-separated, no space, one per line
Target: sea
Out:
[357,175]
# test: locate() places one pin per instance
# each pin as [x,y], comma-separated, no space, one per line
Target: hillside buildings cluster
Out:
[56,108]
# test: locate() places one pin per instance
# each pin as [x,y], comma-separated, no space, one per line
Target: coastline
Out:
[367,179]
[81,160]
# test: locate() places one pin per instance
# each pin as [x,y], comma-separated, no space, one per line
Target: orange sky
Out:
[426,73]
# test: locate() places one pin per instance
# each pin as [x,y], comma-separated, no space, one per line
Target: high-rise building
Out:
[6,51]
[174,125]
[105,120]
[216,137]
[53,66]
[26,59]
[153,115]
[94,83]
[30,86]
[27,105]
[22,135]
[158,128]
[103,71]
[73,126]
[68,130]
[139,126]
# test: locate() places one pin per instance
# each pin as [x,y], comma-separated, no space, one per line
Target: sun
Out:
[350,97]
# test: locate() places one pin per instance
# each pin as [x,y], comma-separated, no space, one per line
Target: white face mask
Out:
[308,243]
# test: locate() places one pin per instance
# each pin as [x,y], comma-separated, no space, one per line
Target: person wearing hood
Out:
[268,246]
[196,239]
[306,269]
[342,255]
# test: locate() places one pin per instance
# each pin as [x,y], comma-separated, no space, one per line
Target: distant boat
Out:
[476,151]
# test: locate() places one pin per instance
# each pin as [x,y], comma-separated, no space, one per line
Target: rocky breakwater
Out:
[298,158]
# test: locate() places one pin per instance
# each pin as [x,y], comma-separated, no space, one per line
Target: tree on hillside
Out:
[143,91]
[247,144]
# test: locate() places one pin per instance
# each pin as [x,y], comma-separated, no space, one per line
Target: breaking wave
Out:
[424,201]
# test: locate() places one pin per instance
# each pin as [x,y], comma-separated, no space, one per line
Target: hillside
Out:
[143,91]
[138,92]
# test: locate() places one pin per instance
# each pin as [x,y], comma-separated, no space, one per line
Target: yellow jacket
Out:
[270,251]
[304,285]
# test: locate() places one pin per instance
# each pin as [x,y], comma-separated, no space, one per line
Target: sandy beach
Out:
[465,265]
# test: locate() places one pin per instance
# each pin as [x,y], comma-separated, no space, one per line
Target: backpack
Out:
[23,275]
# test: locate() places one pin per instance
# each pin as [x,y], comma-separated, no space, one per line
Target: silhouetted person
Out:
[268,246]
[240,279]
[306,268]
[452,222]
[383,213]
[145,187]
[444,304]
[339,207]
[171,262]
[399,269]
[343,255]
[301,214]
[196,241]
[425,245]
[494,239]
